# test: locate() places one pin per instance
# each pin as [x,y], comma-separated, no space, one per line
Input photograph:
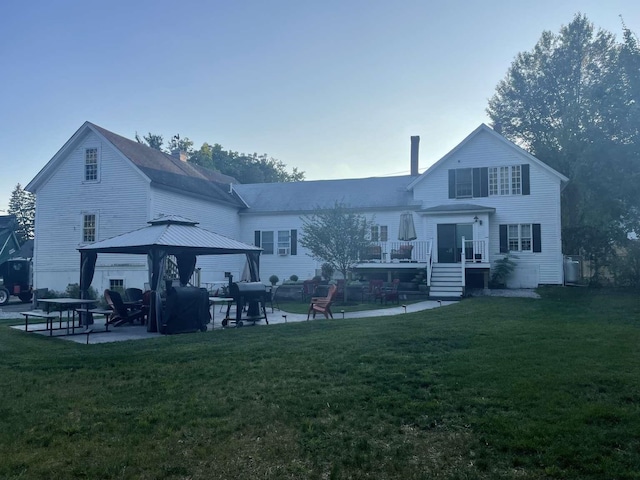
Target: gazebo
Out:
[166,235]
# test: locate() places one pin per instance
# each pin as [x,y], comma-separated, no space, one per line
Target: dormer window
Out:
[91,165]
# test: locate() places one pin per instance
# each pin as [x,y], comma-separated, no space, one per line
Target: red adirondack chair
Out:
[322,304]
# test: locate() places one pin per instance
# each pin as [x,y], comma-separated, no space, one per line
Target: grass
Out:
[488,388]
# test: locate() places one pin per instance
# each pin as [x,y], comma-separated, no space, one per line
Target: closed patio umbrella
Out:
[407,230]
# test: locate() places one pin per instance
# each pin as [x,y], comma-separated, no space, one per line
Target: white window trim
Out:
[520,238]
[97,224]
[495,189]
[98,163]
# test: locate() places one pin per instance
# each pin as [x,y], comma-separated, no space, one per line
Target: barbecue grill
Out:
[253,295]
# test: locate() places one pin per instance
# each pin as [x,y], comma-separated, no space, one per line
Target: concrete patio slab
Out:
[139,332]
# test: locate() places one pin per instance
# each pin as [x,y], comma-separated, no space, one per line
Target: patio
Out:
[139,332]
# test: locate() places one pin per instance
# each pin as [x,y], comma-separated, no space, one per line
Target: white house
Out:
[487,192]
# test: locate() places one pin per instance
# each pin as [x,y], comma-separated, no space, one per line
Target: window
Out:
[516,180]
[505,180]
[464,182]
[116,284]
[284,242]
[379,233]
[281,242]
[519,238]
[91,164]
[493,181]
[267,243]
[89,228]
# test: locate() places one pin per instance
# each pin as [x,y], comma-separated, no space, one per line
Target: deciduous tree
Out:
[573,103]
[336,236]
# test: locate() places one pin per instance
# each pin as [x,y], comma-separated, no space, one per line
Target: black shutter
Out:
[294,242]
[452,183]
[504,244]
[537,244]
[484,182]
[526,183]
[256,240]
[476,183]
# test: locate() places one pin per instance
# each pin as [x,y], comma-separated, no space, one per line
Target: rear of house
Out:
[484,199]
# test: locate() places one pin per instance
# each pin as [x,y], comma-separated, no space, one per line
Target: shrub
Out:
[293,278]
[273,279]
[73,291]
[502,270]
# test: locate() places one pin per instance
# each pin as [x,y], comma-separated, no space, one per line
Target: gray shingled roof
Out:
[360,194]
[176,235]
[167,171]
[458,208]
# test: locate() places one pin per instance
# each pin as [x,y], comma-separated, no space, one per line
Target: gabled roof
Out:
[160,168]
[175,235]
[376,193]
[498,137]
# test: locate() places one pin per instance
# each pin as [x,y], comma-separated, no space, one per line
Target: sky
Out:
[334,88]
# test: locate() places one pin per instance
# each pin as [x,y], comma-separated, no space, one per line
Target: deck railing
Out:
[476,251]
[387,252]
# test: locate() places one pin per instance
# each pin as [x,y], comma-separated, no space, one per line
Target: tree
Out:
[573,103]
[245,168]
[22,204]
[151,140]
[336,236]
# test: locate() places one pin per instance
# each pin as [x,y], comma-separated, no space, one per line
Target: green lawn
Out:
[488,388]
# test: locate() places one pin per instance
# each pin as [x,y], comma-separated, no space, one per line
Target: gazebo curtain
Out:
[87,269]
[186,267]
[254,265]
[156,260]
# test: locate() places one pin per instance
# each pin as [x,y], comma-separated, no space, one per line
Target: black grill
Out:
[253,295]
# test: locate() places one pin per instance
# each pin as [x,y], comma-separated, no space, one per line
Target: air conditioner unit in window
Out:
[283,251]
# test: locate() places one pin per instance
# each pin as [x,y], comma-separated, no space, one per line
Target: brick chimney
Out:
[179,155]
[415,147]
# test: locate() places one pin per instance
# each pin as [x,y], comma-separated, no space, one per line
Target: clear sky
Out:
[333,87]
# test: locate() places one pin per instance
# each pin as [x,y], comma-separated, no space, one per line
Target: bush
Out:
[274,279]
[502,270]
[73,291]
[293,278]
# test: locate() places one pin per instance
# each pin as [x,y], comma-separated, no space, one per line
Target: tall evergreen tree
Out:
[22,204]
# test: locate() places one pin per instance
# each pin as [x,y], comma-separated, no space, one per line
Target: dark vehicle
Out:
[15,279]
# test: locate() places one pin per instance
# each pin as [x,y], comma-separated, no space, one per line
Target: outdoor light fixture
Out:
[285,318]
[405,308]
[342,312]
[477,220]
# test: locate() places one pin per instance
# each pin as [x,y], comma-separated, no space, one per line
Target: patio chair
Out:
[133,294]
[375,290]
[121,314]
[391,293]
[322,304]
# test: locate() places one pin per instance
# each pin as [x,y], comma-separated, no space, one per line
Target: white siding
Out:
[541,206]
[303,265]
[217,218]
[119,200]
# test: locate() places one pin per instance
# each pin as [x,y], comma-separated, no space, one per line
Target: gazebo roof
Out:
[174,234]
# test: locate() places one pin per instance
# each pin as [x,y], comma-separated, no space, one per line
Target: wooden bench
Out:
[49,318]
